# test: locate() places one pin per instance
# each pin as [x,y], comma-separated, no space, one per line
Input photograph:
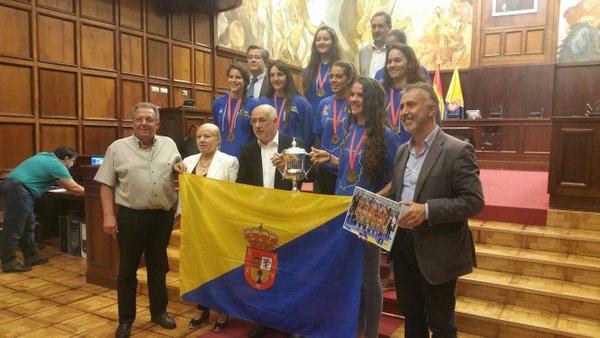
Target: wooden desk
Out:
[508,143]
[574,180]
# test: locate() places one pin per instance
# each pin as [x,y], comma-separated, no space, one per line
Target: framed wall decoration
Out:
[513,7]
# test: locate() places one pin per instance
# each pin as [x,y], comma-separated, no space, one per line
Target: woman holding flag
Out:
[401,68]
[231,112]
[293,110]
[366,160]
[332,115]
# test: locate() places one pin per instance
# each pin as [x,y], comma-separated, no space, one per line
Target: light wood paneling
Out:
[513,43]
[180,94]
[156,17]
[158,59]
[16,90]
[202,31]
[221,65]
[15,36]
[98,9]
[203,67]
[61,5]
[97,139]
[535,41]
[12,154]
[132,58]
[58,103]
[99,97]
[492,44]
[56,40]
[132,92]
[131,13]
[93,40]
[160,97]
[204,100]
[182,63]
[54,136]
[181,27]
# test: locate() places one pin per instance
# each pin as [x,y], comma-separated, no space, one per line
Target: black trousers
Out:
[147,232]
[425,306]
[326,181]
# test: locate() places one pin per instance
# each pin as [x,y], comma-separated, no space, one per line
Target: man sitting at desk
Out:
[26,183]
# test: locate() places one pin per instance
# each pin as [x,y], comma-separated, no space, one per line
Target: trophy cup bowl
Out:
[295,165]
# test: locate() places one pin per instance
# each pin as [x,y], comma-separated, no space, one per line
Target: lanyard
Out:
[337,117]
[321,79]
[281,110]
[354,149]
[394,112]
[232,115]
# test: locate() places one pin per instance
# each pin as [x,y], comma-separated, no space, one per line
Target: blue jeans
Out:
[19,225]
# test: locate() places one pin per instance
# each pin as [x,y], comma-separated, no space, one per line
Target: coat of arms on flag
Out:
[260,265]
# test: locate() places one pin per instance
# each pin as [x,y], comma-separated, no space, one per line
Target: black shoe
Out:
[260,331]
[17,268]
[220,326]
[39,261]
[165,321]
[123,330]
[196,323]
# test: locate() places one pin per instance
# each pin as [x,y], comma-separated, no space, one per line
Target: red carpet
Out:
[515,196]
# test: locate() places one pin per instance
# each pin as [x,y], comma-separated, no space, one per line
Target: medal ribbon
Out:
[394,112]
[280,110]
[354,149]
[337,117]
[321,79]
[232,115]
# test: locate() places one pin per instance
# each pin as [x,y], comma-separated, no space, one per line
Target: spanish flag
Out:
[439,91]
[276,258]
[455,103]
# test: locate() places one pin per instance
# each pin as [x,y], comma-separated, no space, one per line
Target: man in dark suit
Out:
[257,164]
[437,178]
[258,59]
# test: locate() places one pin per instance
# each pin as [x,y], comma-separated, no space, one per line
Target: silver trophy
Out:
[296,162]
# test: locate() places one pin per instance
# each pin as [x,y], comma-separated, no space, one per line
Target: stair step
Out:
[561,266]
[535,292]
[173,257]
[172,285]
[564,240]
[573,219]
[175,240]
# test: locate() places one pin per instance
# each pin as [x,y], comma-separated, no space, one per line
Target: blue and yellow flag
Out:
[276,258]
[455,104]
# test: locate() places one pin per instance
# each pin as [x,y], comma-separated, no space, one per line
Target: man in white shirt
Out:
[371,58]
[256,157]
[258,58]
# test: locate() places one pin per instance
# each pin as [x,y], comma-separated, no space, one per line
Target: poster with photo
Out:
[373,218]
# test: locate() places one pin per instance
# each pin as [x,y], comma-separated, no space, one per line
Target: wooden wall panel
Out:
[11,153]
[102,10]
[158,59]
[126,131]
[54,136]
[203,100]
[99,97]
[96,139]
[130,12]
[93,40]
[15,34]
[16,90]
[535,41]
[61,5]
[202,31]
[181,94]
[536,139]
[181,27]
[492,44]
[132,57]
[574,86]
[156,17]
[221,65]
[203,67]
[56,40]
[132,92]
[58,103]
[513,43]
[159,94]
[182,64]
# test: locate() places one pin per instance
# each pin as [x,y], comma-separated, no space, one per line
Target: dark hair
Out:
[386,16]
[375,150]
[264,54]
[413,68]
[64,151]
[315,58]
[398,34]
[290,87]
[245,78]
[427,88]
[348,68]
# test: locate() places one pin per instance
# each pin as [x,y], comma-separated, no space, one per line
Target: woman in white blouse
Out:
[211,163]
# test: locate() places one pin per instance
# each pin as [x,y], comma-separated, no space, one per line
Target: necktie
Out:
[251,86]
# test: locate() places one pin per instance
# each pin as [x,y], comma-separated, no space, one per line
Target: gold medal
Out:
[230,137]
[321,92]
[352,176]
[335,139]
